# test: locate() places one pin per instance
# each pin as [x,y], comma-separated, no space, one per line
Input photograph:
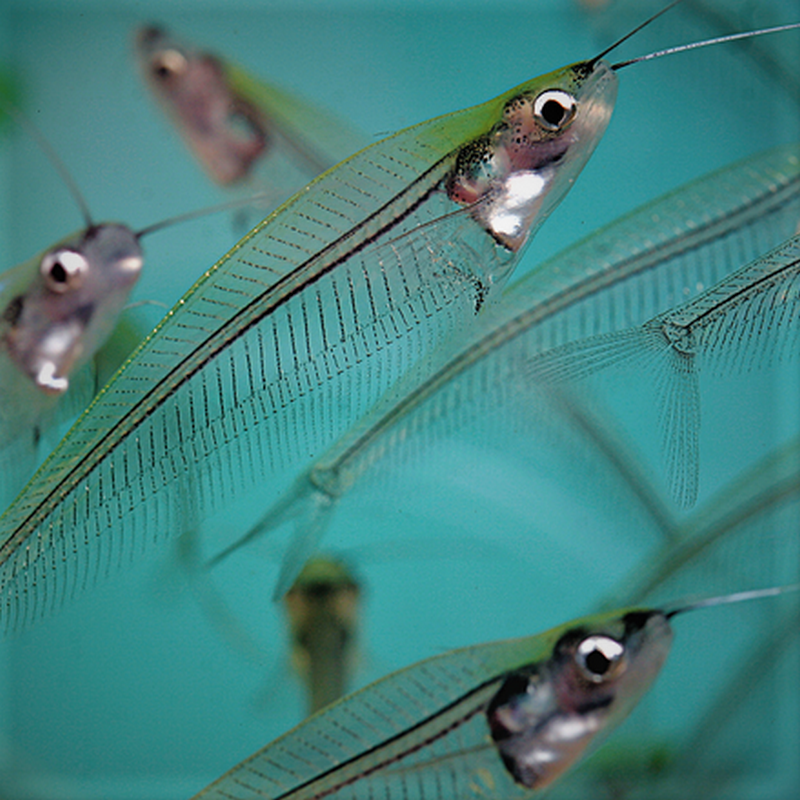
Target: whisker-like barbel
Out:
[731,37]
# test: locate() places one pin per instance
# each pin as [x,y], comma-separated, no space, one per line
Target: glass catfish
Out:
[274,349]
[57,309]
[241,129]
[494,720]
[749,527]
[57,312]
[623,273]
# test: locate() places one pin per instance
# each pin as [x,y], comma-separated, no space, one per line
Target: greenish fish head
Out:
[512,177]
[224,130]
[545,715]
[77,290]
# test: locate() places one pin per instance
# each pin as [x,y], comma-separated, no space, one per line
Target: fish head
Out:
[514,175]
[71,304]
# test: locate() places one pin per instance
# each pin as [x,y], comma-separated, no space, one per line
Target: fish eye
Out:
[600,658]
[63,270]
[167,64]
[554,109]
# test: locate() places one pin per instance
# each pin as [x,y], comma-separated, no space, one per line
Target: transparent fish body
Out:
[641,263]
[388,254]
[746,531]
[500,719]
[742,322]
[242,130]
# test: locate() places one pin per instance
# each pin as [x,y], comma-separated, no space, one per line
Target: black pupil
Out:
[553,112]
[58,273]
[597,663]
[162,71]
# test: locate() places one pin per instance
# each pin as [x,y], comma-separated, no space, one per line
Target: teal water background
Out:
[130,692]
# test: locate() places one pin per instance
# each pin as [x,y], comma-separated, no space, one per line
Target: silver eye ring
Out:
[63,270]
[600,658]
[554,108]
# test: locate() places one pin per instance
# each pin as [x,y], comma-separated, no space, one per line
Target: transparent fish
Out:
[58,311]
[497,719]
[734,736]
[388,254]
[59,307]
[641,263]
[743,321]
[241,129]
[746,531]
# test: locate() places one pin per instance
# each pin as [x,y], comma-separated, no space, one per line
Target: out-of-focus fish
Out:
[322,609]
[241,129]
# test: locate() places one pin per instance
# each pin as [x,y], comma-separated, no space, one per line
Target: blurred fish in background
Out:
[244,131]
[322,610]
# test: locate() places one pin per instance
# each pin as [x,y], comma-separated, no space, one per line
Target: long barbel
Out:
[389,253]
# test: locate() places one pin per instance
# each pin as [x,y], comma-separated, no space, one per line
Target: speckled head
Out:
[513,176]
